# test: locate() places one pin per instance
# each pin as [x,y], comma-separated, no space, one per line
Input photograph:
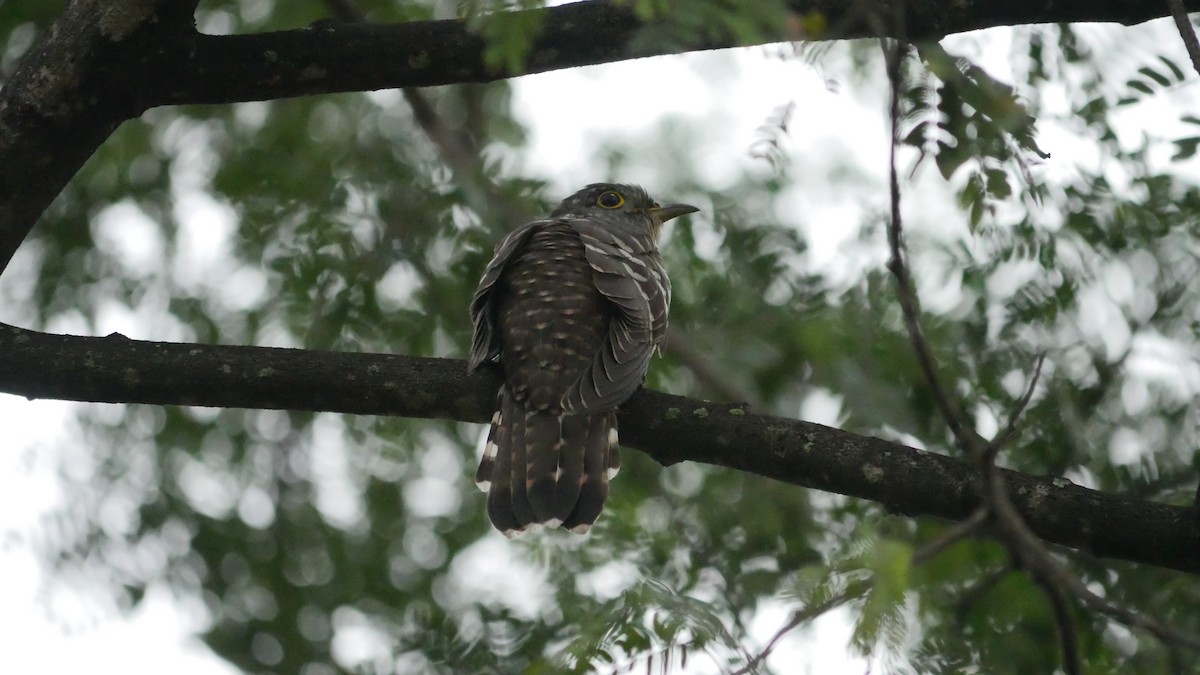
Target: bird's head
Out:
[616,202]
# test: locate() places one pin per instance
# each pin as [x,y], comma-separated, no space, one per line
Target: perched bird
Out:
[572,307]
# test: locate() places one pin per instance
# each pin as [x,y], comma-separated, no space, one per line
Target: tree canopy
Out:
[284,208]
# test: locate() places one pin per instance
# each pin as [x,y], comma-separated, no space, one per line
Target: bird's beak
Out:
[665,213]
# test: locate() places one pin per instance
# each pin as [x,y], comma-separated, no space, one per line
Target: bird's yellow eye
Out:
[610,200]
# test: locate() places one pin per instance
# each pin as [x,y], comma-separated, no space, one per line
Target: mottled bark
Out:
[669,428]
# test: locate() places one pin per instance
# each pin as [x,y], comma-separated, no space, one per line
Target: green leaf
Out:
[882,616]
[1152,74]
[1139,85]
[1185,148]
[1177,74]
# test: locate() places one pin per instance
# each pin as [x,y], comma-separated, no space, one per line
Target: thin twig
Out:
[906,294]
[974,592]
[1010,429]
[454,148]
[956,533]
[851,592]
[679,346]
[1027,549]
[1186,31]
[1124,615]
[1067,634]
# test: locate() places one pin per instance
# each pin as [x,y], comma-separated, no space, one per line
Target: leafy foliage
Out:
[319,544]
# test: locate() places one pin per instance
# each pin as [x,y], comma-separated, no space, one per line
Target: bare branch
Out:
[709,377]
[1068,636]
[1124,615]
[67,95]
[1014,417]
[1186,31]
[359,56]
[72,90]
[952,536]
[452,146]
[669,428]
[905,292]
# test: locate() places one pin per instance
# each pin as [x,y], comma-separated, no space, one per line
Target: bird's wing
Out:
[484,345]
[628,271]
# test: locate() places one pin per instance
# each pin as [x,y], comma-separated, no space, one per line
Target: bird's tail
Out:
[547,468]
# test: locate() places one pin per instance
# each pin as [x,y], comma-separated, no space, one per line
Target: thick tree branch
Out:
[69,93]
[342,57]
[106,61]
[669,428]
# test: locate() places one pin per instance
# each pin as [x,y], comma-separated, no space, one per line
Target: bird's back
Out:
[552,320]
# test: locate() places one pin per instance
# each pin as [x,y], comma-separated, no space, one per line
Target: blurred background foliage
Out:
[320,543]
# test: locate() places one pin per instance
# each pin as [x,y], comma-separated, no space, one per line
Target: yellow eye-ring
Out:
[610,200]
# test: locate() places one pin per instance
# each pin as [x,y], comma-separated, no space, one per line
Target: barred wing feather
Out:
[484,345]
[628,272]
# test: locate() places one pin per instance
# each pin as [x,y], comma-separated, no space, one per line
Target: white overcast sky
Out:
[729,95]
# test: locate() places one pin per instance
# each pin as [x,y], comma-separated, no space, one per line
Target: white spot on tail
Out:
[527,528]
[553,522]
[581,528]
[489,457]
[613,447]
